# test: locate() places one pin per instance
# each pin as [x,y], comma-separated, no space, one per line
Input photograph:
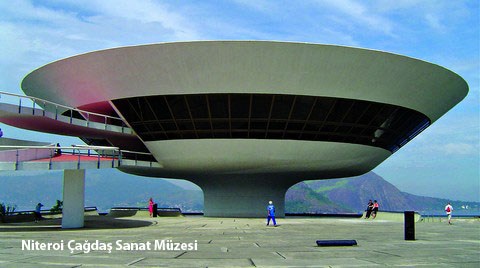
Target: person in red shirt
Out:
[375,209]
[369,209]
[150,206]
[448,210]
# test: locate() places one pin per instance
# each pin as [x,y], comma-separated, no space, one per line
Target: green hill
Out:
[354,193]
[302,199]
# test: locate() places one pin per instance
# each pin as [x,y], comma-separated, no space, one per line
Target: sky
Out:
[443,161]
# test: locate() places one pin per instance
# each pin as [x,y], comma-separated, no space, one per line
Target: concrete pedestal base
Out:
[73,198]
[244,196]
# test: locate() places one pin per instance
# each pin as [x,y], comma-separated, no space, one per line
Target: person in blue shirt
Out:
[38,212]
[271,213]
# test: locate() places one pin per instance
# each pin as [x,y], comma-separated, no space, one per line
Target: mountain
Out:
[103,188]
[26,189]
[114,188]
[353,193]
[109,187]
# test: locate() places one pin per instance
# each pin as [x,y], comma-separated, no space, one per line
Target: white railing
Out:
[37,106]
[139,157]
[19,154]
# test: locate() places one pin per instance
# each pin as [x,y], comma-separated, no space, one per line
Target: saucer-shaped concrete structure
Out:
[245,120]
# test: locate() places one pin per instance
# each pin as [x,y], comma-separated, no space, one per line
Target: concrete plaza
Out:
[227,242]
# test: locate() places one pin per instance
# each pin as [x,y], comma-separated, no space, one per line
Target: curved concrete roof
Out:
[248,67]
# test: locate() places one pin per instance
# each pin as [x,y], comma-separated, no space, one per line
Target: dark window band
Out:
[271,116]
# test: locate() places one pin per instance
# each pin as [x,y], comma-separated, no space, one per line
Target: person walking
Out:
[375,209]
[38,212]
[271,213]
[150,206]
[369,209]
[448,210]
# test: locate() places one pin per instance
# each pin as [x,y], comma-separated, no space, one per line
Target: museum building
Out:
[246,120]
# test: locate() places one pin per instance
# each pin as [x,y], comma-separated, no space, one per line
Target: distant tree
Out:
[57,207]
[5,210]
[2,212]
[11,208]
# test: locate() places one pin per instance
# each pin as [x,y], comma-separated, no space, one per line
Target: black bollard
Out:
[155,212]
[409,225]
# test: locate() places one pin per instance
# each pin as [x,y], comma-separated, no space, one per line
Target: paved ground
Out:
[226,242]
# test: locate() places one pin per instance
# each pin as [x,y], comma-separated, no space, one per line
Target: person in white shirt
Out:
[448,210]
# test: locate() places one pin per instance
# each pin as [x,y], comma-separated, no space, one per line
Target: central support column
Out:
[73,198]
[243,196]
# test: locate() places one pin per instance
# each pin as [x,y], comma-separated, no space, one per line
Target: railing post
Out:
[20,105]
[98,159]
[119,157]
[79,154]
[113,158]
[16,160]
[50,161]
[33,108]
[56,112]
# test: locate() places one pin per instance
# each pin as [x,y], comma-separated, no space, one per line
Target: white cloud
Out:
[439,16]
[361,14]
[334,36]
[459,149]
[434,146]
[28,12]
[434,22]
[36,33]
[263,6]
[143,13]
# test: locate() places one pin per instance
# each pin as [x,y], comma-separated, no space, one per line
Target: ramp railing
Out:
[41,107]
[14,157]
[51,154]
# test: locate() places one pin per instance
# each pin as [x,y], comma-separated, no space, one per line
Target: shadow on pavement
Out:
[91,223]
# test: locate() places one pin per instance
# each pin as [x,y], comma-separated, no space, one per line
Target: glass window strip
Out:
[394,126]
